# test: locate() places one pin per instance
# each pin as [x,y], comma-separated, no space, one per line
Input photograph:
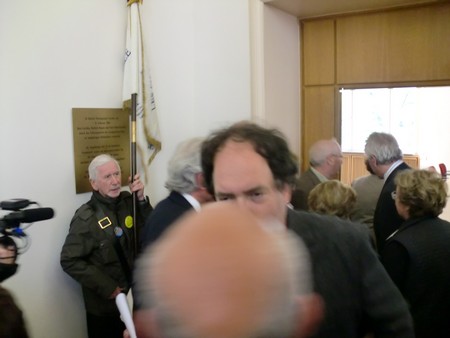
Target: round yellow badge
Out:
[129,222]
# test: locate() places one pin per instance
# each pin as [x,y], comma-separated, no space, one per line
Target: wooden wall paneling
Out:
[435,50]
[318,52]
[412,160]
[353,165]
[318,118]
[408,45]
[354,169]
[394,46]
[346,169]
[360,45]
[359,167]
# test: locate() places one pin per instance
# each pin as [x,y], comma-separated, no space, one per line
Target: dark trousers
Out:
[104,326]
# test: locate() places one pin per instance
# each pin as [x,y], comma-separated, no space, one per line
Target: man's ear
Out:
[200,180]
[310,315]
[145,324]
[287,192]
[374,160]
[93,185]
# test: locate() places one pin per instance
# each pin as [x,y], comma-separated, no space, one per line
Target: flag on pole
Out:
[136,80]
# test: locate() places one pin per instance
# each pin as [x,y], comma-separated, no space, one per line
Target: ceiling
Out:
[315,8]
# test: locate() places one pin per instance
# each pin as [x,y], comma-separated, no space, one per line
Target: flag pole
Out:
[144,138]
[134,170]
[134,92]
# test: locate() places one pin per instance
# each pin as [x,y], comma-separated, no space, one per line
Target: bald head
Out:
[326,157]
[220,273]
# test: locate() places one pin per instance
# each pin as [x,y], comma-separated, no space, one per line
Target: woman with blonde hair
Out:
[332,198]
[416,256]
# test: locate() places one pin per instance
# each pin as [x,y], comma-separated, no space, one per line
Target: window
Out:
[418,117]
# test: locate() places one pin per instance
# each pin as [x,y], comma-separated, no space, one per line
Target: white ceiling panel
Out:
[314,8]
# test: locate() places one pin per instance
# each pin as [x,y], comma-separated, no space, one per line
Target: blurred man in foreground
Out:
[253,167]
[221,273]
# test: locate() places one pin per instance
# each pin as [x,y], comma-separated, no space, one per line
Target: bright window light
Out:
[408,113]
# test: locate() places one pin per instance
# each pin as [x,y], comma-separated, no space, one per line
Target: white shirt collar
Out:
[321,177]
[392,168]
[192,201]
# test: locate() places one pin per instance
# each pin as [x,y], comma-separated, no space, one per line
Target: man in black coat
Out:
[385,158]
[253,167]
[187,191]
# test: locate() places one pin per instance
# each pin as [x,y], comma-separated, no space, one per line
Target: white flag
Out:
[137,80]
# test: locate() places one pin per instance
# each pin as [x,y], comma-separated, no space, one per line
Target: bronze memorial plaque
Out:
[99,131]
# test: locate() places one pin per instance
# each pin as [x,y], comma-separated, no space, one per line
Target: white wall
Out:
[56,55]
[282,74]
[275,65]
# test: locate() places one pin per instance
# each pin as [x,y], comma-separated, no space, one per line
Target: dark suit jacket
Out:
[358,294]
[386,219]
[165,213]
[416,258]
[307,181]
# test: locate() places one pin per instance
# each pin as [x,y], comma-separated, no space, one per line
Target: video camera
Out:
[10,226]
[10,223]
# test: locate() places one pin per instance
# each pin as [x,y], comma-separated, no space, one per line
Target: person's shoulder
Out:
[170,207]
[306,181]
[306,175]
[325,225]
[173,200]
[84,213]
[426,226]
[369,183]
[443,222]
[366,179]
[125,195]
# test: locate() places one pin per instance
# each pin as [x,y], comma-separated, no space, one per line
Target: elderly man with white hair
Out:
[325,159]
[98,250]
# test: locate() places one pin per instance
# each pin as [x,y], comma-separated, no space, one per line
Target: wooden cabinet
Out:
[353,166]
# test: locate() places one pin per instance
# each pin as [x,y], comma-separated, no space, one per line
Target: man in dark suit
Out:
[325,158]
[385,158]
[187,191]
[253,167]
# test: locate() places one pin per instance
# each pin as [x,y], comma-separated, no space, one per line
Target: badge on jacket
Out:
[129,222]
[104,222]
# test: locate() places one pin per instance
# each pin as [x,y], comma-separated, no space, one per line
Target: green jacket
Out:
[88,254]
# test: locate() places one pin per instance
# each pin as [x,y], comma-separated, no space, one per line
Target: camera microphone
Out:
[28,216]
[15,204]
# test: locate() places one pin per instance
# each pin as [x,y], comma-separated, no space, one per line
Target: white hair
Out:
[99,161]
[184,165]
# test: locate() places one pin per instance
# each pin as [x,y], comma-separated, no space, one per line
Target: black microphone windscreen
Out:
[35,215]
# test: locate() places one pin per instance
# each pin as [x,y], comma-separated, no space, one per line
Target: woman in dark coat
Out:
[417,255]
